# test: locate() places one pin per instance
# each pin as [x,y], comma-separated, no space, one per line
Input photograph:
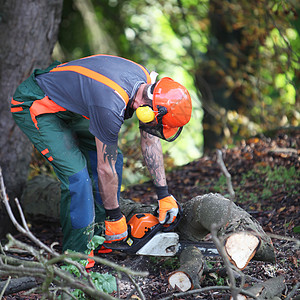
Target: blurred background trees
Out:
[238,58]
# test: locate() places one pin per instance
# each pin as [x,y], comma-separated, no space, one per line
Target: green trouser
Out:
[64,140]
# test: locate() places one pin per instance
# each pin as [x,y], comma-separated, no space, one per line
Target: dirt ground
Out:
[266,178]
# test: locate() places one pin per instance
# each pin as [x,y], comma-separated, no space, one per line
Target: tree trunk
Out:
[28,32]
[226,56]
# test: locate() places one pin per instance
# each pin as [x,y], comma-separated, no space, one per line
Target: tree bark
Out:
[28,32]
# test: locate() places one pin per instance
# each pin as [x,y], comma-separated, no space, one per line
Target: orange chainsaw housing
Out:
[141,223]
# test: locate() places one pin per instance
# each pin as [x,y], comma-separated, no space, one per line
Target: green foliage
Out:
[103,282]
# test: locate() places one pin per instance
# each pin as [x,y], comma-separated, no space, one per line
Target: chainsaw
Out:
[147,236]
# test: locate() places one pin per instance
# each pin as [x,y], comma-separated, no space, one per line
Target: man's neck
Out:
[138,99]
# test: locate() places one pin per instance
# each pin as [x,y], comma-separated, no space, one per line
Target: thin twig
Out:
[226,173]
[228,265]
[215,227]
[46,269]
[285,238]
[206,289]
[24,230]
[137,288]
[5,287]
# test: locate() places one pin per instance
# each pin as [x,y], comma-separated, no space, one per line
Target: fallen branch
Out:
[201,212]
[15,285]
[293,291]
[207,289]
[45,267]
[266,290]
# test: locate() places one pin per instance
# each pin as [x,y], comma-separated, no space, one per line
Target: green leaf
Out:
[296,229]
[104,282]
[95,242]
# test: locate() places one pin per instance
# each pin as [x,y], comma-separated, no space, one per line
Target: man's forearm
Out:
[108,187]
[107,175]
[153,157]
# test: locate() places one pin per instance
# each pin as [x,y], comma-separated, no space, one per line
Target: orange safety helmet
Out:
[172,106]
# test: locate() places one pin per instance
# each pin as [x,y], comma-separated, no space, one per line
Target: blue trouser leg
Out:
[87,145]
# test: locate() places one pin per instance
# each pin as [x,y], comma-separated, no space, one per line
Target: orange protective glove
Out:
[115,230]
[167,205]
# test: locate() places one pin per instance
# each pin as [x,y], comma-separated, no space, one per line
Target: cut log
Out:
[191,268]
[267,290]
[241,247]
[201,212]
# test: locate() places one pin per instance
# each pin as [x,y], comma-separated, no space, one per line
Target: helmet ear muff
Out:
[145,114]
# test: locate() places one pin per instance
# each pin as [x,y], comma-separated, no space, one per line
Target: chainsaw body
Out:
[146,236]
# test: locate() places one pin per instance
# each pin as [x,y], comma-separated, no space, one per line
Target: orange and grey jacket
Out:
[98,87]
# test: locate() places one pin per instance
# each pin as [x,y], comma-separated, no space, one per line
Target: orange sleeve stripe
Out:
[50,158]
[96,76]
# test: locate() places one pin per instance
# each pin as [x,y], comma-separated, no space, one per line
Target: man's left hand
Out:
[167,207]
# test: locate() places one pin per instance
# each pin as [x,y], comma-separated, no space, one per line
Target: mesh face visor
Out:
[157,128]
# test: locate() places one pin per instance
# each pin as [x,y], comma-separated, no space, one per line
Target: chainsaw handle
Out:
[176,222]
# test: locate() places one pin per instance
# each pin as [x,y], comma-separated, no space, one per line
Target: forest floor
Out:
[266,179]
